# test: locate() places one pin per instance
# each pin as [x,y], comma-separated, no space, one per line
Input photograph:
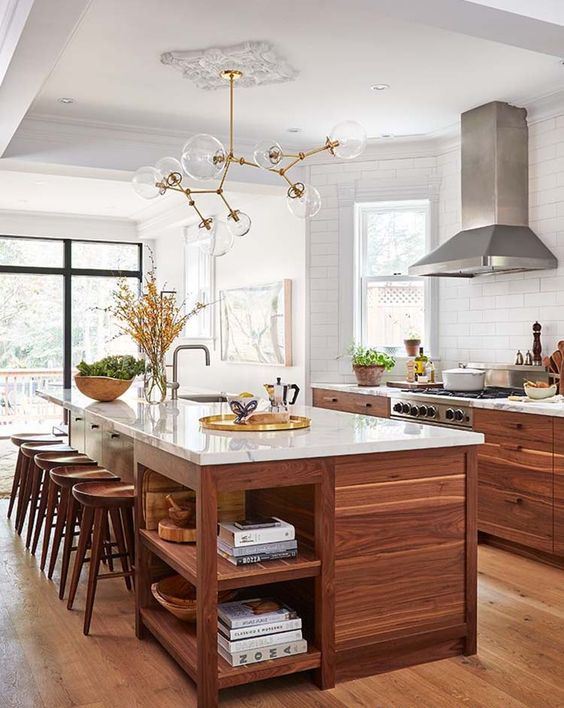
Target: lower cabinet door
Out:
[515,495]
[93,440]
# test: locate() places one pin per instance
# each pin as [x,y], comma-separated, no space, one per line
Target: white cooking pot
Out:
[464,379]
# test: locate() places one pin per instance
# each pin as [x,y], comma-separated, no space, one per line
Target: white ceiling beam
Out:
[32,39]
[479,20]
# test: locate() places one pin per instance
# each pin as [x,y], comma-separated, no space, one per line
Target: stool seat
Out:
[32,449]
[45,438]
[105,495]
[49,460]
[75,474]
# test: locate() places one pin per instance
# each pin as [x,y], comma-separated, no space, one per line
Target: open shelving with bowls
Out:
[301,492]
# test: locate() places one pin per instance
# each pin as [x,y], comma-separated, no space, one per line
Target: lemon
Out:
[246,394]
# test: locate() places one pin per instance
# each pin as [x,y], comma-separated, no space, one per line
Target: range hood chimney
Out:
[495,236]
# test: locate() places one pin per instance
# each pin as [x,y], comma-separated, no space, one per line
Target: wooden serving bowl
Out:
[178,596]
[102,388]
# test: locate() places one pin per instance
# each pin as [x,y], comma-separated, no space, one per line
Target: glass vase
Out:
[154,381]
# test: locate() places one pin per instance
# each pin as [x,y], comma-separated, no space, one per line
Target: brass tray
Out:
[226,422]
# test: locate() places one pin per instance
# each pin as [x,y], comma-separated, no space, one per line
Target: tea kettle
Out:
[278,394]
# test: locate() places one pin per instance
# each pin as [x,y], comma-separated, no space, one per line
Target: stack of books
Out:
[258,630]
[256,540]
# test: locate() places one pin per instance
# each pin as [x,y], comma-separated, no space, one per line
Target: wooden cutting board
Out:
[169,531]
[555,364]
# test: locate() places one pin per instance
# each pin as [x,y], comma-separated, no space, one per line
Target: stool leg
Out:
[86,524]
[16,482]
[127,518]
[100,521]
[60,525]
[52,494]
[70,526]
[41,512]
[25,491]
[122,549]
[33,503]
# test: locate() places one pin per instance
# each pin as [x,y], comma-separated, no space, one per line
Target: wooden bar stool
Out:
[46,461]
[65,478]
[18,440]
[31,478]
[102,502]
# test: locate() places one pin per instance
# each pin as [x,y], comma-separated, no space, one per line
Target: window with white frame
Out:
[198,287]
[391,305]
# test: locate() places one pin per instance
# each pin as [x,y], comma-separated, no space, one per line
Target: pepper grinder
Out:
[537,346]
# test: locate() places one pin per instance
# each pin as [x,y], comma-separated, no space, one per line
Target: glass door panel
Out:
[95,333]
[31,348]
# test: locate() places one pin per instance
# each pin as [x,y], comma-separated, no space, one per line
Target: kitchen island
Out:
[385,516]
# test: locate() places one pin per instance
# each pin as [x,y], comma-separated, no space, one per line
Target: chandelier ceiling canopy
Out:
[205,158]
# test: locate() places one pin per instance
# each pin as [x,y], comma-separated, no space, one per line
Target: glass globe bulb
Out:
[203,157]
[220,239]
[241,226]
[304,201]
[351,137]
[145,182]
[169,165]
[267,154]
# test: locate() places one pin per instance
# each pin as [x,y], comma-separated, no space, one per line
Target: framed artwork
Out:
[256,324]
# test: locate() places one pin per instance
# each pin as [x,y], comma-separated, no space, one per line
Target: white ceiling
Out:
[111,68]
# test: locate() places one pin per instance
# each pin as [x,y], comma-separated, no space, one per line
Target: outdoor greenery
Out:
[364,356]
[117,367]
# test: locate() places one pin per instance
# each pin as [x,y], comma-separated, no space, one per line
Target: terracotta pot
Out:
[369,375]
[412,346]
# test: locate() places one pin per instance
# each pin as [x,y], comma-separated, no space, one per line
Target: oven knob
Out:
[459,415]
[431,412]
[449,414]
[405,407]
[398,408]
[422,410]
[414,410]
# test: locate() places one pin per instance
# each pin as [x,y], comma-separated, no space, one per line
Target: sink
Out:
[205,398]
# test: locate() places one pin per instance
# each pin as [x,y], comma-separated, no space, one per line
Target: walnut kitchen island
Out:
[385,516]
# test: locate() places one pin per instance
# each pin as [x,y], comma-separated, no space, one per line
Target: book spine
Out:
[252,537]
[241,658]
[237,622]
[258,642]
[257,630]
[274,547]
[258,557]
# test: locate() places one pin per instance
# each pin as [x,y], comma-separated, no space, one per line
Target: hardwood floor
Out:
[46,662]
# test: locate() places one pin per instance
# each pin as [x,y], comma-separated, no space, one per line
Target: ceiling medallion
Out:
[204,158]
[258,61]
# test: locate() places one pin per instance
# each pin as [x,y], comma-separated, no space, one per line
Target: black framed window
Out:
[82,274]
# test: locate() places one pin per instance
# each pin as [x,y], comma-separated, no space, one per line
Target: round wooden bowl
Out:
[102,388]
[178,596]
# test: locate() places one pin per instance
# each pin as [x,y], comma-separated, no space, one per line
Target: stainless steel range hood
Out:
[496,237]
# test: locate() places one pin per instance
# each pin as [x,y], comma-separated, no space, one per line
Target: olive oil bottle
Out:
[421,363]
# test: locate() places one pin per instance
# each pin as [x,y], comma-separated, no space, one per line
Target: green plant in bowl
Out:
[108,378]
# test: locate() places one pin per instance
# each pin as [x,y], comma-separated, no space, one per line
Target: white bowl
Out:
[538,394]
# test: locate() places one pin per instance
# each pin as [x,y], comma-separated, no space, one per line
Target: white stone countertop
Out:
[555,408]
[174,426]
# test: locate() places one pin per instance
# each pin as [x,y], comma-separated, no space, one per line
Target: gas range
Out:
[422,405]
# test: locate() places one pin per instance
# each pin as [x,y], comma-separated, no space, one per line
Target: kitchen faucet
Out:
[174,385]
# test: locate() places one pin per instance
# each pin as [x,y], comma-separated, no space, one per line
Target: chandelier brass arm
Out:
[204,158]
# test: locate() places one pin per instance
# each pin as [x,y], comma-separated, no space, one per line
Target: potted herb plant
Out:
[412,343]
[108,378]
[369,364]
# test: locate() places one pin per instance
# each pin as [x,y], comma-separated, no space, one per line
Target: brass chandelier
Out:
[205,158]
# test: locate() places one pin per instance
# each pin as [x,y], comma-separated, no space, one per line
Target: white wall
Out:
[50,225]
[274,249]
[482,319]
[489,318]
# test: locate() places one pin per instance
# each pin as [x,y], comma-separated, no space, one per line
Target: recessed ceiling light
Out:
[294,130]
[380,87]
[65,100]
